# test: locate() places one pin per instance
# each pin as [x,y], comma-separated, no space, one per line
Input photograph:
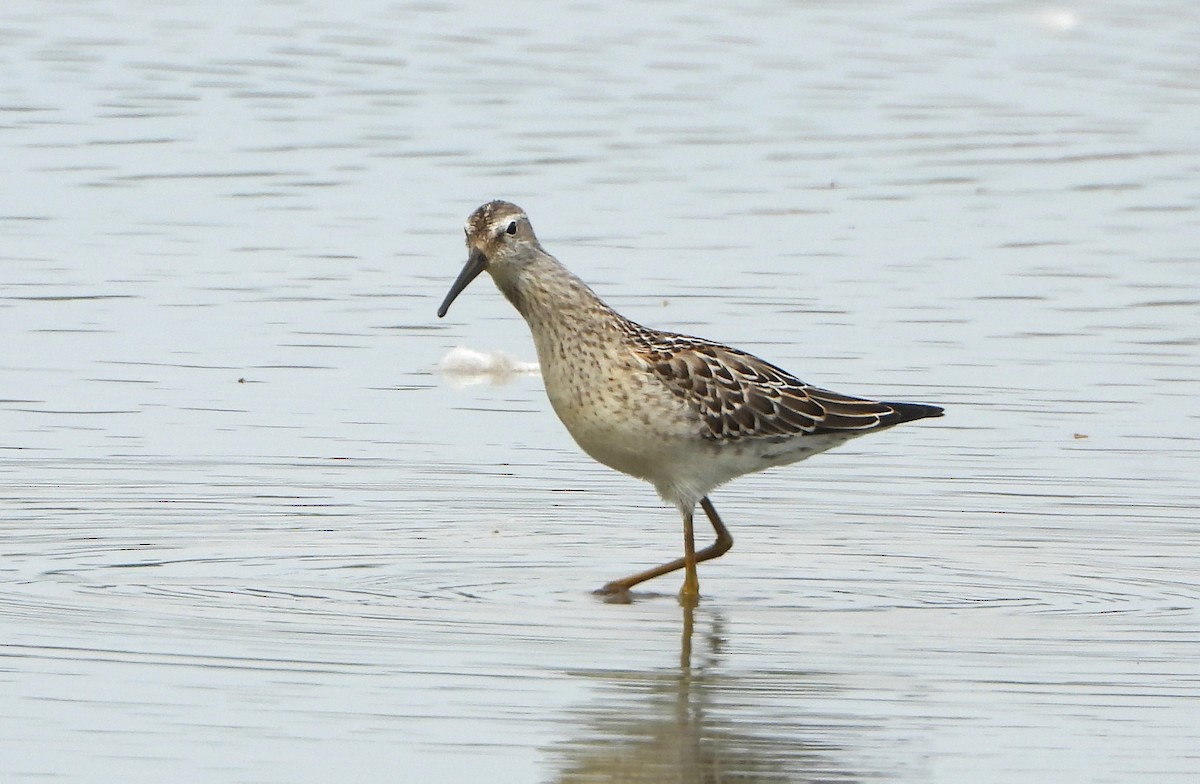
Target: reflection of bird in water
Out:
[680,412]
[699,724]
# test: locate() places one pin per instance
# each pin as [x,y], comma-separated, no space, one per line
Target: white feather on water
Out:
[463,366]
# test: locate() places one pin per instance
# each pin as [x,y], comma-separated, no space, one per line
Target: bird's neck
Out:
[552,298]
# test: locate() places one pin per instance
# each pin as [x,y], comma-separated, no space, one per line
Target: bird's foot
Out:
[688,598]
[616,592]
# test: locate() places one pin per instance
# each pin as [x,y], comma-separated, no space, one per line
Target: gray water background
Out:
[248,534]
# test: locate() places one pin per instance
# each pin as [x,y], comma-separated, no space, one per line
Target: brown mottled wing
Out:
[740,396]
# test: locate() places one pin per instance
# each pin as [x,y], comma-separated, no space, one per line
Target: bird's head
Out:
[500,241]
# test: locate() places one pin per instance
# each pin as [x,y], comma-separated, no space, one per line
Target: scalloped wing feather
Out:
[739,396]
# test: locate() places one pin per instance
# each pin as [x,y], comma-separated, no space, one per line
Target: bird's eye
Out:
[512,228]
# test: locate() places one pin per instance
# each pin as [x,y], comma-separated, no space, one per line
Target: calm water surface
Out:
[249,534]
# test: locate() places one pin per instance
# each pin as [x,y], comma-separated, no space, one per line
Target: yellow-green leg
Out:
[719,547]
[689,594]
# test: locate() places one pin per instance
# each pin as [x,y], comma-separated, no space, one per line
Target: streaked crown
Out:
[494,218]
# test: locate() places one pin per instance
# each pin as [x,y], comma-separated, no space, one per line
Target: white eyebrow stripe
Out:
[496,225]
[496,222]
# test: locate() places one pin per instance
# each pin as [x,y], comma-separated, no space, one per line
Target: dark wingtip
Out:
[907,412]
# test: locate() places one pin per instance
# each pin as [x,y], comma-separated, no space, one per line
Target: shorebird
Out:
[683,413]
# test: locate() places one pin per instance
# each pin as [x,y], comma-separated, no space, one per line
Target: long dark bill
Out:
[476,263]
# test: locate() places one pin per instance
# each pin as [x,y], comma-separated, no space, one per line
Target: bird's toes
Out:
[614,593]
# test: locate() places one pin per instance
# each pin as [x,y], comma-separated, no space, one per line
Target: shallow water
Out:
[248,531]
